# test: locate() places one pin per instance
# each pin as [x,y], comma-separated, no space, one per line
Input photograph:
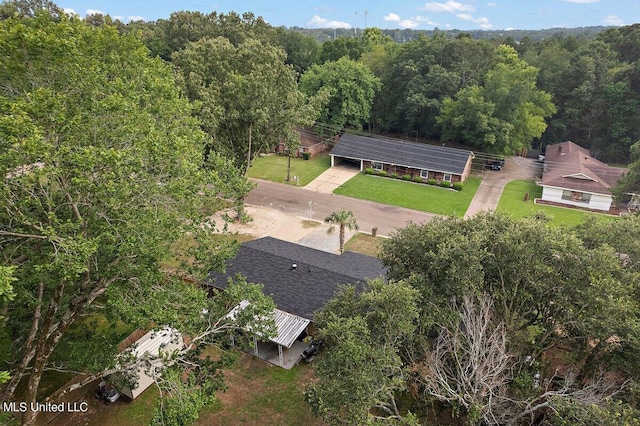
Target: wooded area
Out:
[116,141]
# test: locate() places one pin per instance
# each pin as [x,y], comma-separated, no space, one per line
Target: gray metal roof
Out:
[288,326]
[401,153]
[308,287]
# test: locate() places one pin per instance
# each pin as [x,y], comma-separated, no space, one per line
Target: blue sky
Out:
[429,14]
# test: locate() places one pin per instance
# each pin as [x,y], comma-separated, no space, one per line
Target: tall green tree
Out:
[351,88]
[361,371]
[343,219]
[536,275]
[510,111]
[102,172]
[549,289]
[249,98]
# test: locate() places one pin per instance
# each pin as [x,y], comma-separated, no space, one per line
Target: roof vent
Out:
[294,266]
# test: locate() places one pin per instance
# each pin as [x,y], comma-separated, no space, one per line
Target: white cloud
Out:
[318,22]
[450,6]
[484,22]
[492,4]
[69,11]
[409,23]
[392,17]
[94,12]
[583,1]
[135,18]
[425,20]
[613,20]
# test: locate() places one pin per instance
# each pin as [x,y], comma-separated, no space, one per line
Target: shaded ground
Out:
[259,394]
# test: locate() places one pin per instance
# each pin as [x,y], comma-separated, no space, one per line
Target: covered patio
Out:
[283,350]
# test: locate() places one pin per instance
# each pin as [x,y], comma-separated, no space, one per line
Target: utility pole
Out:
[365,19]
[355,28]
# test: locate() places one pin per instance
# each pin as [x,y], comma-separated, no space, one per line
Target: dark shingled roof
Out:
[401,153]
[307,288]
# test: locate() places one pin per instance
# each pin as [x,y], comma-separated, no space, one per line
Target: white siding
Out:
[597,202]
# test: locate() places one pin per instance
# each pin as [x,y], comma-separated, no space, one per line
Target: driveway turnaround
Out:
[493,182]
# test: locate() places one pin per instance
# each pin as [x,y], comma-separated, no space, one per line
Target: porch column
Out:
[280,355]
[255,346]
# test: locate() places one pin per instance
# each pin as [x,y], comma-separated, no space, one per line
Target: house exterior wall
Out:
[597,201]
[401,171]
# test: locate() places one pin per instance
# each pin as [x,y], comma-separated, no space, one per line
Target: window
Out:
[376,166]
[447,177]
[424,174]
[576,197]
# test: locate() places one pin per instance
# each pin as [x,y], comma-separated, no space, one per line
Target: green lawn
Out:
[422,197]
[274,168]
[512,202]
[364,244]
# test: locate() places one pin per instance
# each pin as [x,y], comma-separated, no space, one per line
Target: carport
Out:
[288,328]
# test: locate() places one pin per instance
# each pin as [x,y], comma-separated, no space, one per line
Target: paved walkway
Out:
[331,179]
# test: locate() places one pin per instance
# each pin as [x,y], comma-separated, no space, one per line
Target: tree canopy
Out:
[350,86]
[249,98]
[102,172]
[503,115]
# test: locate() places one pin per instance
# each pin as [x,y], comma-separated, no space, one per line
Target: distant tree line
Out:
[590,74]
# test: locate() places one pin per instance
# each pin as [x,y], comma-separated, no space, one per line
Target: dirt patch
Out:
[259,394]
[266,222]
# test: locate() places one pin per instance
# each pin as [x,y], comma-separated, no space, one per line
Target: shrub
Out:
[417,179]
[432,181]
[394,175]
[457,186]
[382,173]
[306,155]
[445,184]
[369,171]
[406,177]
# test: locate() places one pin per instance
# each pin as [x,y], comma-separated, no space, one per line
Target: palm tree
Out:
[344,219]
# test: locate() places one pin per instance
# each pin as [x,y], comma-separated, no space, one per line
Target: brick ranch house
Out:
[403,158]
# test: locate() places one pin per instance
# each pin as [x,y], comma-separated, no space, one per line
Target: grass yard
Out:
[364,244]
[415,196]
[262,394]
[274,168]
[512,202]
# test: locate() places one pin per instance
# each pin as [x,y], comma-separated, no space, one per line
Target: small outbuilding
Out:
[151,348]
[403,158]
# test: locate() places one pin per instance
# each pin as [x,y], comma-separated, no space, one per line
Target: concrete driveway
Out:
[494,181]
[331,179]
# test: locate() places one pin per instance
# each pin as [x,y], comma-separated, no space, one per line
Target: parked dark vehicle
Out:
[107,392]
[497,165]
[311,351]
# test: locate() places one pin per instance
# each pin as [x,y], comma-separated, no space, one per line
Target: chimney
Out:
[559,149]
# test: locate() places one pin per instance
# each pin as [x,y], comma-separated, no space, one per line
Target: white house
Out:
[571,176]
